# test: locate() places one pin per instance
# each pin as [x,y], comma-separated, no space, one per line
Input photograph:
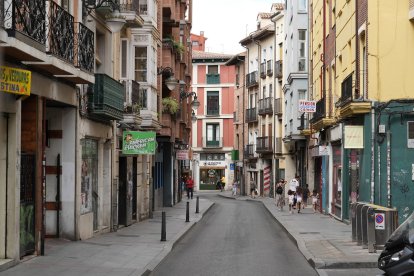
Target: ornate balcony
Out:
[264,144]
[252,79]
[213,78]
[265,106]
[84,48]
[249,151]
[350,104]
[304,125]
[269,67]
[320,120]
[131,10]
[251,115]
[106,99]
[263,70]
[279,69]
[212,143]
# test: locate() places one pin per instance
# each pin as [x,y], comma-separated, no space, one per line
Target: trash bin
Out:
[353,221]
[359,222]
[364,225]
[381,222]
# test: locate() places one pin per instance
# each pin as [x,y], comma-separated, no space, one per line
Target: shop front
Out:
[210,173]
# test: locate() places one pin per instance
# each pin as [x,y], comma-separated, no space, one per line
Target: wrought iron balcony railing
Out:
[264,144]
[213,78]
[27,17]
[61,34]
[346,91]
[269,67]
[84,48]
[279,69]
[251,79]
[251,115]
[212,143]
[263,70]
[130,6]
[278,107]
[320,110]
[265,106]
[212,110]
[249,151]
[106,98]
[304,122]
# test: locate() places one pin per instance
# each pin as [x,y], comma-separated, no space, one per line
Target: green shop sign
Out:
[137,142]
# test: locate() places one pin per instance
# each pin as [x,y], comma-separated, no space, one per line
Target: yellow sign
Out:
[16,81]
[354,137]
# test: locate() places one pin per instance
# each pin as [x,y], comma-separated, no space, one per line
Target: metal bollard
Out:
[197,204]
[187,212]
[163,227]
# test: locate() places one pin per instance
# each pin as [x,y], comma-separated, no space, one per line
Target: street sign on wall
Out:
[307,106]
[138,142]
[15,80]
[182,155]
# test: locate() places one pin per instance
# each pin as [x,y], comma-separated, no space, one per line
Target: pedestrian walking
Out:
[306,194]
[190,187]
[299,196]
[280,196]
[315,197]
[293,184]
[223,183]
[290,198]
[252,188]
[235,184]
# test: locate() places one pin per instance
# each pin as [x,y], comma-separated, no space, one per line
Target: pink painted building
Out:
[213,131]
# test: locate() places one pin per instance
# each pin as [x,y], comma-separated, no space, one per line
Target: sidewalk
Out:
[133,250]
[325,242]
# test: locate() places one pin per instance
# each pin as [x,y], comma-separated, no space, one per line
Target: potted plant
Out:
[170,105]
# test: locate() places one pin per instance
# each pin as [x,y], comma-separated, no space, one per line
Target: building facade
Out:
[212,138]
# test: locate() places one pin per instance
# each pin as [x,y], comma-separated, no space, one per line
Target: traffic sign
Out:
[380,221]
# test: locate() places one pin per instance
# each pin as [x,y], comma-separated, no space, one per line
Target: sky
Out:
[226,22]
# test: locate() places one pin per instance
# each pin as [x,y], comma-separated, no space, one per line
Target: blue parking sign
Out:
[232,166]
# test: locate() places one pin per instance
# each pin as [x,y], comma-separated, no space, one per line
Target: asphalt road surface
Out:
[235,238]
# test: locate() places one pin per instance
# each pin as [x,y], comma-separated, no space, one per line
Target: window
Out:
[124,59]
[213,70]
[141,64]
[302,51]
[264,92]
[302,94]
[143,98]
[213,107]
[195,43]
[213,135]
[302,5]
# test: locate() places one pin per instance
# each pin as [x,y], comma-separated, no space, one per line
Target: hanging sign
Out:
[15,81]
[307,106]
[138,142]
[182,155]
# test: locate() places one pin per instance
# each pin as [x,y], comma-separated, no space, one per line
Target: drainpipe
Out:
[372,155]
[379,174]
[6,115]
[242,183]
[388,168]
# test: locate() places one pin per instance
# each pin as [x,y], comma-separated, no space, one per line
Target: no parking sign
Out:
[380,221]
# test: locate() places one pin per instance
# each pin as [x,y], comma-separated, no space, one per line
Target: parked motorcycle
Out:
[397,258]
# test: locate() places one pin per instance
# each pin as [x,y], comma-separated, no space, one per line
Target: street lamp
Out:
[195,103]
[170,82]
[114,20]
[193,117]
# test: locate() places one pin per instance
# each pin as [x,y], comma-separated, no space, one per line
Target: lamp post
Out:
[114,21]
[195,103]
[168,73]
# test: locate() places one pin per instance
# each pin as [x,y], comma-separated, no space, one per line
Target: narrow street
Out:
[229,241]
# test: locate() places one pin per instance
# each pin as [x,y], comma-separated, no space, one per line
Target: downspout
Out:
[388,168]
[7,184]
[260,187]
[372,155]
[243,184]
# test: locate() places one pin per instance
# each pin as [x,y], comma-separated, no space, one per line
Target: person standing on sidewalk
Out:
[252,188]
[280,194]
[299,196]
[235,184]
[293,184]
[290,197]
[190,187]
[315,197]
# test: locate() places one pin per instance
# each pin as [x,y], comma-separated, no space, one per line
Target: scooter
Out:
[397,258]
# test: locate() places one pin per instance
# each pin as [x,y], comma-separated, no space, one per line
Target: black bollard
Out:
[197,209]
[187,213]
[163,227]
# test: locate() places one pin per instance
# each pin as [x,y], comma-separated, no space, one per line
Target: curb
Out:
[169,245]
